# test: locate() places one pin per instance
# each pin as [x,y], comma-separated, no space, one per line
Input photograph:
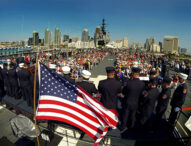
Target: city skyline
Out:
[138,20]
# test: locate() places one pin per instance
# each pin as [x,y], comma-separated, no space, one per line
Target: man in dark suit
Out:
[178,98]
[4,73]
[13,79]
[109,89]
[25,84]
[2,92]
[85,84]
[132,91]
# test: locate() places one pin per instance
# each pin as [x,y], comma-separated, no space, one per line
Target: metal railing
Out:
[181,132]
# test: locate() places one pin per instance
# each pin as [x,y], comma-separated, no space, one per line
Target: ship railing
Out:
[181,131]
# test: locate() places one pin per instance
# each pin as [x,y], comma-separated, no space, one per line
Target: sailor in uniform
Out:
[85,84]
[178,98]
[25,84]
[13,79]
[132,92]
[109,89]
[163,101]
[66,71]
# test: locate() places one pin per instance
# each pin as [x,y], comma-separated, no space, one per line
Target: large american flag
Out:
[64,101]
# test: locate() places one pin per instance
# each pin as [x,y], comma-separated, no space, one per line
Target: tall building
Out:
[85,35]
[57,37]
[138,45]
[125,42]
[47,37]
[160,44]
[149,42]
[35,38]
[66,38]
[170,44]
[97,35]
[30,41]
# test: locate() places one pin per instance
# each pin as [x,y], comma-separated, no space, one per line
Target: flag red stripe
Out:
[113,122]
[70,115]
[69,122]
[96,113]
[70,107]
[113,111]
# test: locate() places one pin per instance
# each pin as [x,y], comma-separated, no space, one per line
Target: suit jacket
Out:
[132,91]
[88,87]
[109,89]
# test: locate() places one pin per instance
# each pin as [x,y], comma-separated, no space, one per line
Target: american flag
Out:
[64,101]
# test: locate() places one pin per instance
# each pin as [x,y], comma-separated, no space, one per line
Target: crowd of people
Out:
[139,80]
[17,74]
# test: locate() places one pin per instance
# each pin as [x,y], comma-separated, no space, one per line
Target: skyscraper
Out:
[85,35]
[66,38]
[57,37]
[47,37]
[125,42]
[170,44]
[97,35]
[35,38]
[149,42]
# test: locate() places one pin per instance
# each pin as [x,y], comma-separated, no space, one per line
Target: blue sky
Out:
[136,19]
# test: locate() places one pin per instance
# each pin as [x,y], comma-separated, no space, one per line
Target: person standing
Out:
[163,101]
[13,79]
[149,100]
[86,85]
[178,98]
[25,83]
[132,91]
[109,89]
[4,73]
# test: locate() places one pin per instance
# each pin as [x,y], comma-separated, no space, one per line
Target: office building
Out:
[57,37]
[85,35]
[35,38]
[125,42]
[170,44]
[47,37]
[97,35]
[149,42]
[66,38]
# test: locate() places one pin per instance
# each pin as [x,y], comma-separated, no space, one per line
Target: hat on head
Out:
[86,74]
[183,76]
[167,80]
[21,65]
[52,66]
[136,70]
[110,69]
[66,70]
[8,61]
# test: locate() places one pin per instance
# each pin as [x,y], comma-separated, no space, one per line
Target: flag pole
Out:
[34,98]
